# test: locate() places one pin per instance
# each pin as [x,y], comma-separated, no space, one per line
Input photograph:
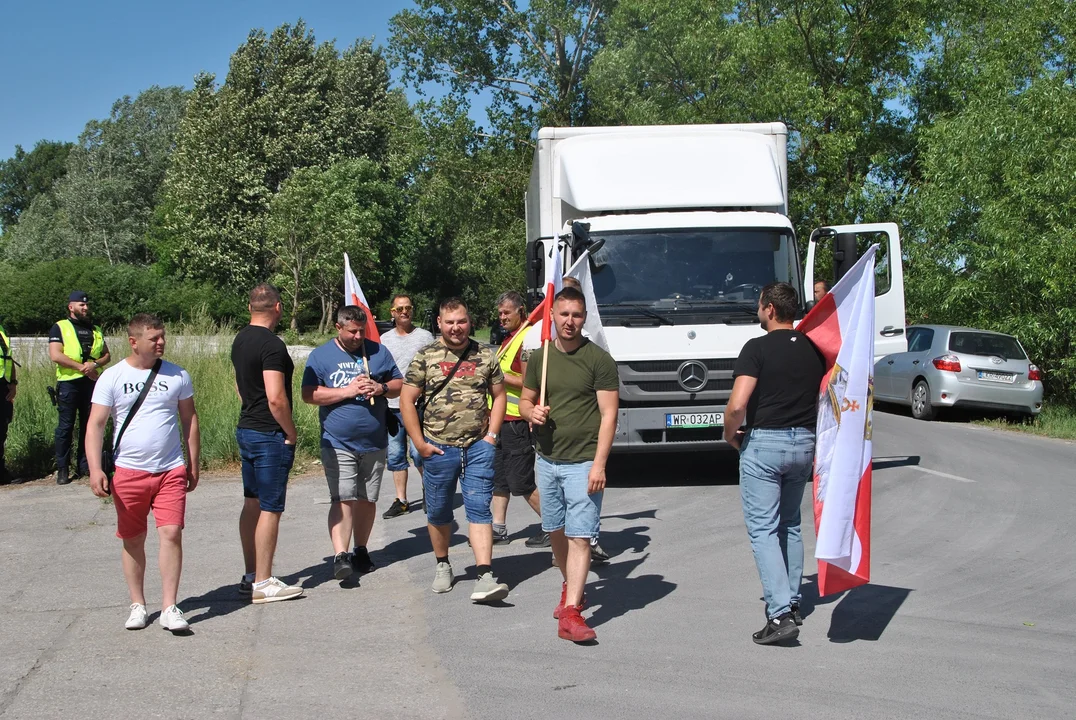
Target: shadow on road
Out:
[885,463]
[615,594]
[680,469]
[862,613]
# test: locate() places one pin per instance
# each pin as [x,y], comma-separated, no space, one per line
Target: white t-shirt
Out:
[152,442]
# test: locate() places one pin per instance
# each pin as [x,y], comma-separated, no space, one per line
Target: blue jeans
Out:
[398,447]
[774,468]
[472,468]
[566,504]
[267,460]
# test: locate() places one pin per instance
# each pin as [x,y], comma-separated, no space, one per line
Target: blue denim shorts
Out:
[398,445]
[267,460]
[566,504]
[472,468]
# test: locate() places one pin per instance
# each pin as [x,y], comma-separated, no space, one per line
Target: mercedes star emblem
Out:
[692,376]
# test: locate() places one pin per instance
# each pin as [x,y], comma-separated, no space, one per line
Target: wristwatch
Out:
[384,389]
[493,435]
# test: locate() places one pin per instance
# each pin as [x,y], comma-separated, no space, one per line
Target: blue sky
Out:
[66,61]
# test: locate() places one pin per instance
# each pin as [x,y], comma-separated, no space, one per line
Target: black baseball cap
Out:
[78,296]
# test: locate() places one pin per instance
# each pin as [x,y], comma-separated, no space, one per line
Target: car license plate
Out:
[997,377]
[694,420]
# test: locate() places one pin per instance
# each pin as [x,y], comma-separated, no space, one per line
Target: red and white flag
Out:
[554,283]
[592,328]
[353,295]
[841,326]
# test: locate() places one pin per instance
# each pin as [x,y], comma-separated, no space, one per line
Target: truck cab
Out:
[685,225]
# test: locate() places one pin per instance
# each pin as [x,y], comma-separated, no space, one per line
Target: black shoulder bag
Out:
[425,400]
[108,457]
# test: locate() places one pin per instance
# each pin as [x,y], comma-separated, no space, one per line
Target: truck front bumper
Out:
[643,429]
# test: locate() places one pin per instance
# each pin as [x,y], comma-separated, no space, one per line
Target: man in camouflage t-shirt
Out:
[457,436]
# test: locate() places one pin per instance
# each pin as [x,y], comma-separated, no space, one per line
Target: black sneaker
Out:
[399,507]
[541,540]
[342,567]
[361,561]
[597,555]
[62,478]
[500,538]
[779,629]
[797,617]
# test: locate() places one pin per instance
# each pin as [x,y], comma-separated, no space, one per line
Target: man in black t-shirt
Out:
[266,437]
[775,398]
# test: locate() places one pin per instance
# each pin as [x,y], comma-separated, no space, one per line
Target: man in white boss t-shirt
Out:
[151,472]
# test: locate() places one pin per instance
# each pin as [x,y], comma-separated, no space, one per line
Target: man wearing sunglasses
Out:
[403,341]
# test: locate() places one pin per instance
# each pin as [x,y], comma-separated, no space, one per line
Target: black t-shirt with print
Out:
[789,370]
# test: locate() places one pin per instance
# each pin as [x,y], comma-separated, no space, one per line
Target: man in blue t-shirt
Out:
[350,379]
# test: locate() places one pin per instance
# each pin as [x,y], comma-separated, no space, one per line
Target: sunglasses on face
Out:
[402,309]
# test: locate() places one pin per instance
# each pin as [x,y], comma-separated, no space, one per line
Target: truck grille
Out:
[655,383]
[653,366]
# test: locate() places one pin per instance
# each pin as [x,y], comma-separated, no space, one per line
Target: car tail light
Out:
[947,362]
[1033,373]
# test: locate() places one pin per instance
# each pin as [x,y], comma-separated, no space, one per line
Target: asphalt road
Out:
[967,615]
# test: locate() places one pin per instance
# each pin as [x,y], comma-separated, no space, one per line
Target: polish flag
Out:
[353,295]
[592,328]
[841,326]
[554,282]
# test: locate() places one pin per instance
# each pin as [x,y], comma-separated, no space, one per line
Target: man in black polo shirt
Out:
[778,377]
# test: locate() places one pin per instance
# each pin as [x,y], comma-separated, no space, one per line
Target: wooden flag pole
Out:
[366,367]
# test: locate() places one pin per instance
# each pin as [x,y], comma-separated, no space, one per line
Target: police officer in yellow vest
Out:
[78,348]
[513,463]
[8,386]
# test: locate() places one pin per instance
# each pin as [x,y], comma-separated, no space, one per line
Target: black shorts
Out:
[513,465]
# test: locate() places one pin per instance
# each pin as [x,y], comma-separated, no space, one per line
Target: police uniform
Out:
[7,381]
[83,342]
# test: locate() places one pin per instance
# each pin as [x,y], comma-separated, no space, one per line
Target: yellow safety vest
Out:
[7,365]
[506,357]
[73,349]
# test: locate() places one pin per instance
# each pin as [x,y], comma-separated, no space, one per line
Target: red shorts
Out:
[135,493]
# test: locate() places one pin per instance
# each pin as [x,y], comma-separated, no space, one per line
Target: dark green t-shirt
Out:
[571,433]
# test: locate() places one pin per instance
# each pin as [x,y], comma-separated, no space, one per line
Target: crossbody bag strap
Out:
[429,398]
[137,404]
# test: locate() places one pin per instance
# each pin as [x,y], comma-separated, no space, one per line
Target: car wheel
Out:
[921,407]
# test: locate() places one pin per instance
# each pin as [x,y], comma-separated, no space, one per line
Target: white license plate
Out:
[996,377]
[694,420]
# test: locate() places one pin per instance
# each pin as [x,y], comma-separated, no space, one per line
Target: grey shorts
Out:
[353,476]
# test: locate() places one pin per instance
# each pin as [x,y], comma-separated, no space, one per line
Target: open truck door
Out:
[833,250]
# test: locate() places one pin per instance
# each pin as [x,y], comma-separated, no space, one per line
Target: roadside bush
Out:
[36,296]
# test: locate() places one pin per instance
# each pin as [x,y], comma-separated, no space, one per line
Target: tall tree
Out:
[990,221]
[317,216]
[287,103]
[104,201]
[532,57]
[26,175]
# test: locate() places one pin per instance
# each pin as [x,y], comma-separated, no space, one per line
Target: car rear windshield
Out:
[977,343]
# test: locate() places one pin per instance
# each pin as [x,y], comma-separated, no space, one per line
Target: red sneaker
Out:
[564,596]
[573,627]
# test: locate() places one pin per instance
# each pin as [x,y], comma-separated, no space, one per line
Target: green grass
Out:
[29,447]
[1055,421]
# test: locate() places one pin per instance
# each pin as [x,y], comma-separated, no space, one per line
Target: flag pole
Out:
[545,370]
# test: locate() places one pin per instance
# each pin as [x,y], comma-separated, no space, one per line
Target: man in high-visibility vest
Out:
[78,348]
[9,383]
[513,464]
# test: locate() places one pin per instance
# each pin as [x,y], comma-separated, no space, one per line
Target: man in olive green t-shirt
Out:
[574,431]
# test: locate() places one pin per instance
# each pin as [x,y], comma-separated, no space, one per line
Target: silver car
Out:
[959,367]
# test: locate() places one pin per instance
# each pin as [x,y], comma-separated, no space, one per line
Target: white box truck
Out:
[686,224]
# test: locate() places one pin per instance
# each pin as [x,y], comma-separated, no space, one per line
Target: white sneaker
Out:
[137,619]
[172,619]
[274,591]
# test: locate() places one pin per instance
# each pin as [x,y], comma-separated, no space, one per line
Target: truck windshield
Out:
[682,272]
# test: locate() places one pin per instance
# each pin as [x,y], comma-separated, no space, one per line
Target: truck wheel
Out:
[921,407]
